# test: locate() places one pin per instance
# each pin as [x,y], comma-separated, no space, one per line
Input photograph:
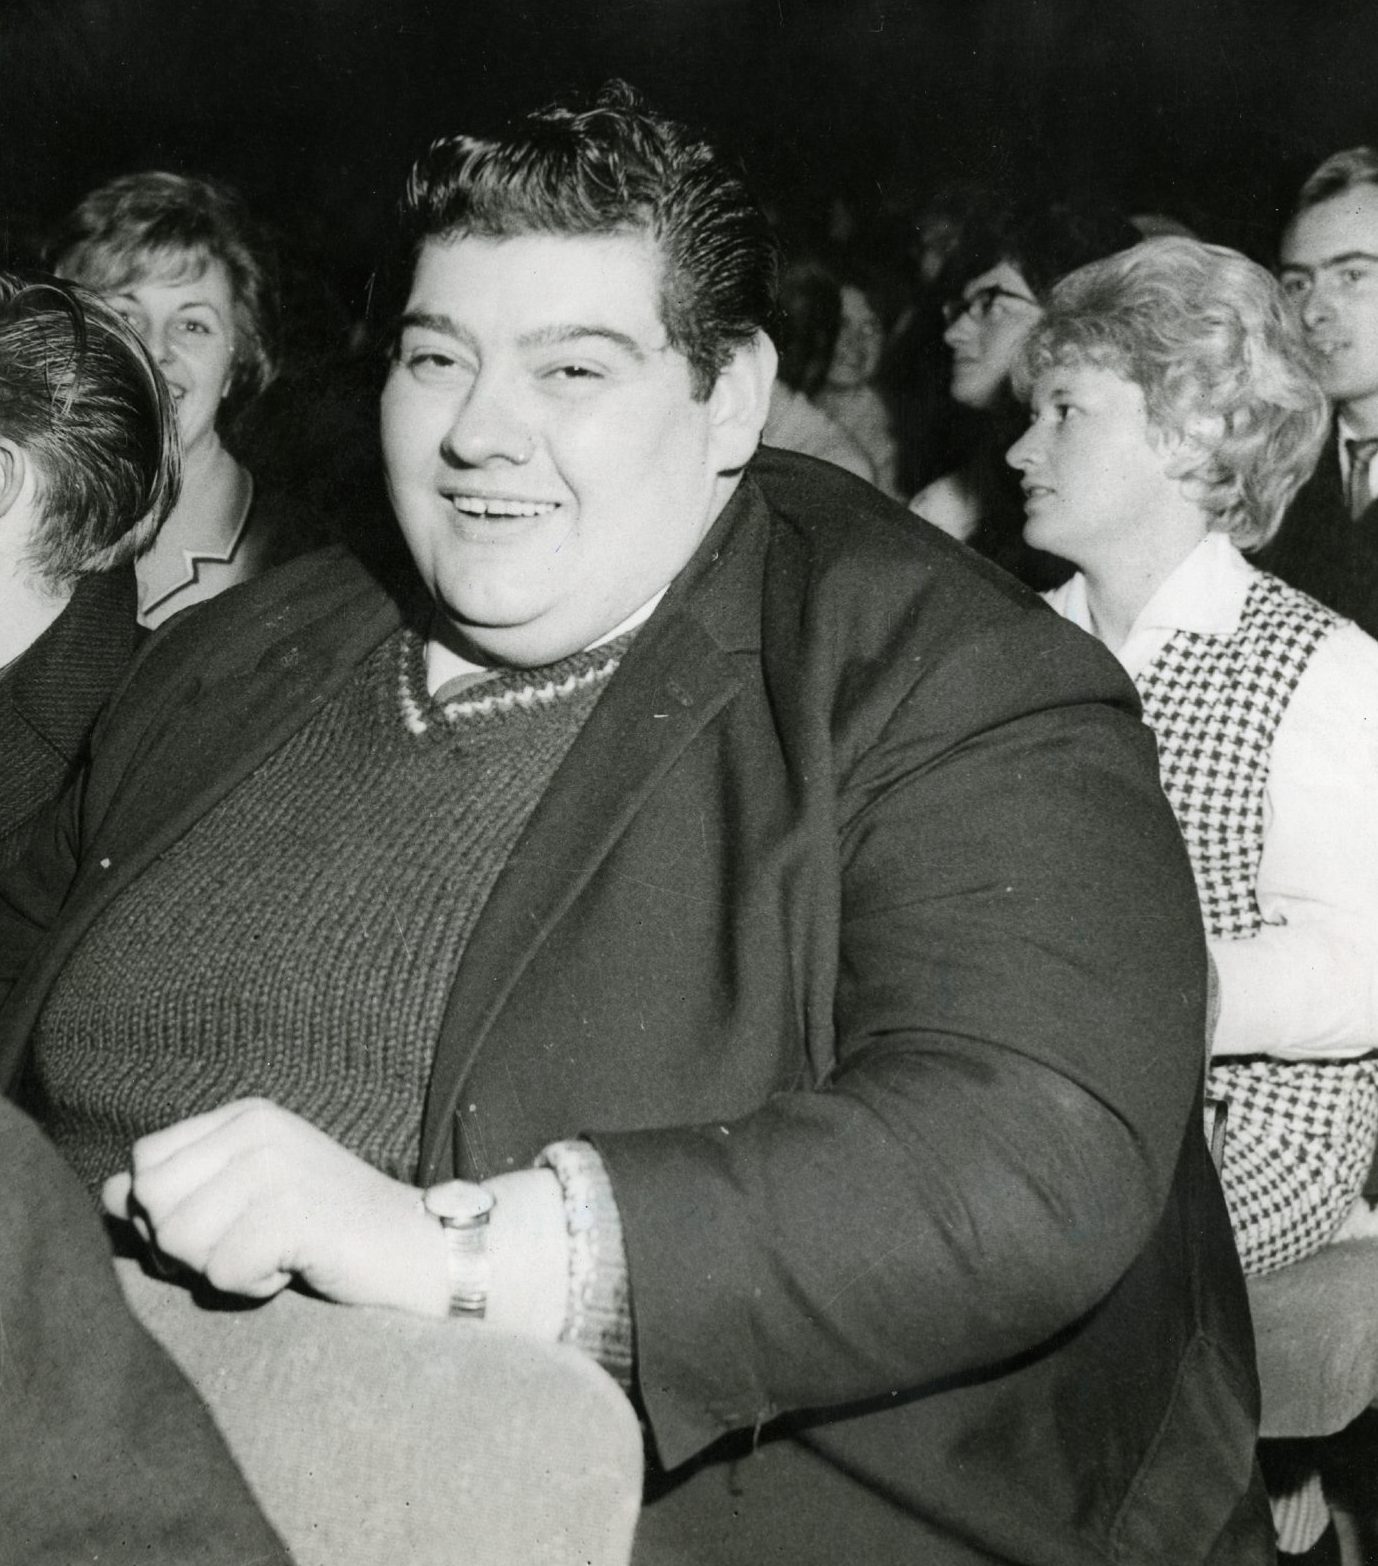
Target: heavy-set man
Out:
[753,923]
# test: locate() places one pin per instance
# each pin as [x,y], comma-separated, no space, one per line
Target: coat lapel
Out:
[225,726]
[686,665]
[76,663]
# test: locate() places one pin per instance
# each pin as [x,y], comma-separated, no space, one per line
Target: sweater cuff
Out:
[598,1312]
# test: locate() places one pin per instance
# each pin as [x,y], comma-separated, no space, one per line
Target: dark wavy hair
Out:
[1043,240]
[611,166]
[1341,172]
[158,224]
[807,324]
[80,394]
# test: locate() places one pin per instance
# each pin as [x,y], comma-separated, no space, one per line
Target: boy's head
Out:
[83,407]
[613,166]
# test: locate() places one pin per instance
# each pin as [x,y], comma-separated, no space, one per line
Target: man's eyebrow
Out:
[558,336]
[431,321]
[1348,258]
[541,337]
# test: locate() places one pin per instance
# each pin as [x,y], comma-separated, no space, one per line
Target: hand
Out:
[251,1195]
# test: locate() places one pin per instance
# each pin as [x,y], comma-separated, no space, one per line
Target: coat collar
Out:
[169,570]
[57,684]
[1205,594]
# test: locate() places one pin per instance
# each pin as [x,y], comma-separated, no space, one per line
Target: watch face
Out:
[460,1203]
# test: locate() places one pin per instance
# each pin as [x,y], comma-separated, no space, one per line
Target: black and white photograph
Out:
[689,783]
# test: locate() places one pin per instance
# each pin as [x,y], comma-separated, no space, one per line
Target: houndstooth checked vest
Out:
[1300,1133]
[1214,703]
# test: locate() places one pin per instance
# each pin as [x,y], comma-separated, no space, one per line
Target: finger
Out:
[190,1229]
[114,1194]
[241,1113]
[245,1259]
[161,1187]
[118,1200]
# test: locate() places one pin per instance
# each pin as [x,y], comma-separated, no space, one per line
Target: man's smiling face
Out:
[548,462]
[1328,267]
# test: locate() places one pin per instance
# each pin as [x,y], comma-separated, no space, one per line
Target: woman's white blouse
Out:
[1307,984]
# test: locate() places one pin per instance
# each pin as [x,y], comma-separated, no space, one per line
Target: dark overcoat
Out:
[1324,551]
[51,695]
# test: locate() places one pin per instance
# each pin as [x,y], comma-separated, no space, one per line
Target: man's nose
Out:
[489,426]
[1316,305]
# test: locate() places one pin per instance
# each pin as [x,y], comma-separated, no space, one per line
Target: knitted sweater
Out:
[301,940]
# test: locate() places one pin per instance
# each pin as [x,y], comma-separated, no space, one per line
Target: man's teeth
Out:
[480,506]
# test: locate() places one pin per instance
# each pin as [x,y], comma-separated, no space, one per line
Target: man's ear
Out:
[740,401]
[14,469]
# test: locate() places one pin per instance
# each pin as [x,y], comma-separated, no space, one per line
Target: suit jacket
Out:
[855,931]
[1324,551]
[49,699]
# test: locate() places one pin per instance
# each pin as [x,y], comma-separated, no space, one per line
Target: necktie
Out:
[1361,454]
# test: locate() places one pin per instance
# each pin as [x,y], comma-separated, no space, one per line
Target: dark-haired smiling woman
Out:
[182,261]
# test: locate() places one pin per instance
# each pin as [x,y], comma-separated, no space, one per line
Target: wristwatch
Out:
[464,1208]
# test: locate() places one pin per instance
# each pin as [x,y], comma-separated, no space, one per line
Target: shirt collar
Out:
[443,664]
[1205,594]
[165,572]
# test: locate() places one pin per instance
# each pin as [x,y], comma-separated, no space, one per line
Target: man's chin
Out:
[520,644]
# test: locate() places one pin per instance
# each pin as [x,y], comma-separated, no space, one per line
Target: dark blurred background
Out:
[1210,110]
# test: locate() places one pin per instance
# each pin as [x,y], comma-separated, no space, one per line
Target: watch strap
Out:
[463,1209]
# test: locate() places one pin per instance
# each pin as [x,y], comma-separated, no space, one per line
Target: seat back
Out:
[1316,1330]
[370,1436]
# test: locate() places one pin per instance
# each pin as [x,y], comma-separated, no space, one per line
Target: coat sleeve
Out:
[1020,1024]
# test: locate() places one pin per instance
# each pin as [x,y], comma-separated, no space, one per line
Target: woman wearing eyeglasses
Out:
[1009,259]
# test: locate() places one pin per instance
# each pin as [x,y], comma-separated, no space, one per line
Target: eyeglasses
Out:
[980,304]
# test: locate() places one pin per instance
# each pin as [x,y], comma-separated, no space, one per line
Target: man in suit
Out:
[1328,264]
[89,469]
[715,921]
[107,1453]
